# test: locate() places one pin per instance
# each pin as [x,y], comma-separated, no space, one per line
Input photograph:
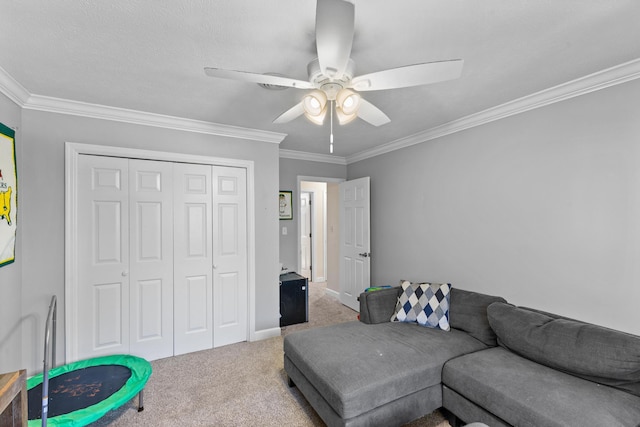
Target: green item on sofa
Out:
[377,288]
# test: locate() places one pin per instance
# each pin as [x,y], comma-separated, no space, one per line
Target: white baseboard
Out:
[266,334]
[332,293]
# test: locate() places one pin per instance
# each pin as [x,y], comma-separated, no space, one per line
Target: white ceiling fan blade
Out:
[372,114]
[410,75]
[266,79]
[334,35]
[292,113]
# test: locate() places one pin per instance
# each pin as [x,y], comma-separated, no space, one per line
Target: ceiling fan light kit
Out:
[331,74]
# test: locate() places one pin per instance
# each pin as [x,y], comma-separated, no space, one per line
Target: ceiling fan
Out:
[331,75]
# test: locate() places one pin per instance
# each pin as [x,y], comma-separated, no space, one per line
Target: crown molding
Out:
[593,82]
[312,157]
[103,112]
[12,89]
[21,96]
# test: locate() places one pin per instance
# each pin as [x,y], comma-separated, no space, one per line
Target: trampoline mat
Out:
[78,389]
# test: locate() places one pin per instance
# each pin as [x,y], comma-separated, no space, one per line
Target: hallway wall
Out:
[290,169]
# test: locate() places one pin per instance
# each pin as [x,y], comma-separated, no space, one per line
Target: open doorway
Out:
[313,230]
[318,231]
[307,233]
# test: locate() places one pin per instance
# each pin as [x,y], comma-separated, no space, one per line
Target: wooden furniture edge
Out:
[13,385]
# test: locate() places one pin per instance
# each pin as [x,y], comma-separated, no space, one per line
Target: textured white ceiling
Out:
[149,55]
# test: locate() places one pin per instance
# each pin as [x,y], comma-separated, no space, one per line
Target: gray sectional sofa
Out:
[498,364]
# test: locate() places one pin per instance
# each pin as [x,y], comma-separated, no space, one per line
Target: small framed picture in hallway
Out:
[286,209]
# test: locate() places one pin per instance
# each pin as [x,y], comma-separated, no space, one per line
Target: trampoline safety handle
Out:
[49,338]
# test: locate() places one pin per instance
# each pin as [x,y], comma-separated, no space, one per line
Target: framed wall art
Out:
[286,208]
[8,195]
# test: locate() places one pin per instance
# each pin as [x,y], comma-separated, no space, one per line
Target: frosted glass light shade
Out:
[343,118]
[348,101]
[317,118]
[314,103]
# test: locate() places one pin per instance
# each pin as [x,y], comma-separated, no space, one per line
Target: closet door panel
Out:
[151,251]
[198,307]
[107,316]
[193,258]
[229,290]
[150,321]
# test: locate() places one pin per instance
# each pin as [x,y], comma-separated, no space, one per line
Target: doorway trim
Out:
[301,178]
[72,151]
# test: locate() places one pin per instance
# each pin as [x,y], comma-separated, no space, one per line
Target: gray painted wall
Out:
[11,274]
[42,209]
[542,208]
[290,170]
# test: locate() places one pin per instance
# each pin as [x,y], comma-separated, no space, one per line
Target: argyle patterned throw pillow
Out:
[425,303]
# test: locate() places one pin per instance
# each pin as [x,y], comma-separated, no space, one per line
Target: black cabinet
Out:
[294,299]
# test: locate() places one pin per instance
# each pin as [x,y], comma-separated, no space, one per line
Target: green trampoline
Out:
[79,393]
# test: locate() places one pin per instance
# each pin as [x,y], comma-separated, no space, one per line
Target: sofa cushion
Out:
[378,306]
[424,303]
[525,393]
[468,312]
[592,352]
[357,367]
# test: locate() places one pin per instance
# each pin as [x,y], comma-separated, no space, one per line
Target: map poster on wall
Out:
[8,195]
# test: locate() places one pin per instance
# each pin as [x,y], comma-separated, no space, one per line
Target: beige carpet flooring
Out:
[241,384]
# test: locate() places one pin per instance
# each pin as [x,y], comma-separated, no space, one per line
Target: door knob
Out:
[365,254]
[125,273]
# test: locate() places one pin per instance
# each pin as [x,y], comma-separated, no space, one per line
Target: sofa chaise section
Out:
[377,372]
[357,368]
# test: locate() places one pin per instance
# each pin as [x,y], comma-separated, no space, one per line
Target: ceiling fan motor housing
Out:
[330,86]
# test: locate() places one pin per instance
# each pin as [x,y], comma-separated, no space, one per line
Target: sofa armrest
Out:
[378,306]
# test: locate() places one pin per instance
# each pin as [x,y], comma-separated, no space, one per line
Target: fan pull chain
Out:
[331,135]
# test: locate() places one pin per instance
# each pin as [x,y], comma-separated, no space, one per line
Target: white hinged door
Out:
[355,249]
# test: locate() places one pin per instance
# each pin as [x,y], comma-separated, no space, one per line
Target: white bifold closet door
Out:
[103,256]
[162,259]
[210,247]
[230,278]
[193,278]
[125,223]
[151,258]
